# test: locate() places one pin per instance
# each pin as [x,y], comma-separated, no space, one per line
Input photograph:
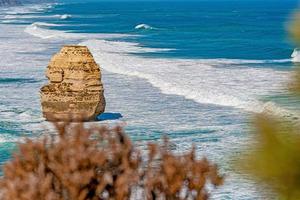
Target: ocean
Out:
[196,71]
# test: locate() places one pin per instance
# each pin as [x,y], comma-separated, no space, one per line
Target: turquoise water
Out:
[199,29]
[195,71]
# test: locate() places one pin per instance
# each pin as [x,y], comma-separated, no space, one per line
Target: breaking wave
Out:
[296,55]
[44,31]
[65,16]
[41,30]
[144,26]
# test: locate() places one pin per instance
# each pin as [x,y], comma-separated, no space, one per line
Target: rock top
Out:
[75,91]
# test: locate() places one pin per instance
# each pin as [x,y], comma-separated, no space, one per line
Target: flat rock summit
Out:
[75,91]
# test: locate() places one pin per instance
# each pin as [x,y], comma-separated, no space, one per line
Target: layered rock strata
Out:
[75,91]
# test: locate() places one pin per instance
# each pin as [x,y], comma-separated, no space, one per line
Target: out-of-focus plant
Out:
[100,163]
[294,30]
[80,164]
[274,156]
[294,86]
[178,177]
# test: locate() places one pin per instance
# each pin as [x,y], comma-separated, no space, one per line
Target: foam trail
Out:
[41,30]
[244,61]
[199,79]
[65,16]
[26,9]
[272,109]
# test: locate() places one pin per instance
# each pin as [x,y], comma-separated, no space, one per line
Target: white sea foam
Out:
[21,16]
[11,14]
[201,80]
[144,26]
[41,30]
[27,9]
[296,55]
[10,21]
[65,16]
[273,109]
[245,61]
[29,16]
[4,138]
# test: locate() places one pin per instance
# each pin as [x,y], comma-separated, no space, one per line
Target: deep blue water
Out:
[200,29]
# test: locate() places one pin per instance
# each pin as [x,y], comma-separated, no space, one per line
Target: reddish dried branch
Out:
[98,163]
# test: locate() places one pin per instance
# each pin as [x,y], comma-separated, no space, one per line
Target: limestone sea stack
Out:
[75,91]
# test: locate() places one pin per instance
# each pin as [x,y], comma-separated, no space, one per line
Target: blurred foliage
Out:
[294,27]
[102,164]
[294,85]
[294,31]
[274,156]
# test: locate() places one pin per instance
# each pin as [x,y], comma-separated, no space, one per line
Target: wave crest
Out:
[143,26]
[42,30]
[296,55]
[65,16]
[39,29]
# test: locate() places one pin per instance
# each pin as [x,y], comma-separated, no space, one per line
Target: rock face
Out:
[75,90]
